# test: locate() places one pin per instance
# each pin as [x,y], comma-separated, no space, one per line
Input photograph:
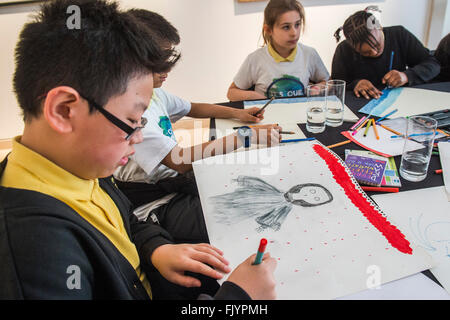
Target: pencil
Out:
[367,127]
[356,130]
[389,129]
[296,140]
[389,114]
[379,189]
[257,125]
[357,123]
[443,132]
[414,135]
[339,144]
[375,129]
[287,132]
[392,61]
[264,106]
[260,252]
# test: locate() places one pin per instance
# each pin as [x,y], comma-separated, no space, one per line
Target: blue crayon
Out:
[296,140]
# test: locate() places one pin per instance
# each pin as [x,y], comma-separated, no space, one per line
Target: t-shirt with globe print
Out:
[286,86]
[159,139]
[284,79]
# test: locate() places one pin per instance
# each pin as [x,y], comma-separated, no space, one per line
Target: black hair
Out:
[98,59]
[158,25]
[357,29]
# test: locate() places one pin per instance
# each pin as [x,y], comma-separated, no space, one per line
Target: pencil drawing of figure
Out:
[255,198]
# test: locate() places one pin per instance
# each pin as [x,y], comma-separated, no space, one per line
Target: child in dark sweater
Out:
[373,57]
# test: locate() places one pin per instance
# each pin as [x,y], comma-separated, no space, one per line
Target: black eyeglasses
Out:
[130,131]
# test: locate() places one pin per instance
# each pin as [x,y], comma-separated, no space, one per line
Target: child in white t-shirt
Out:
[158,178]
[283,67]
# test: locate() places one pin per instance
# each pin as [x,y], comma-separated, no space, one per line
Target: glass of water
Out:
[335,102]
[418,147]
[315,112]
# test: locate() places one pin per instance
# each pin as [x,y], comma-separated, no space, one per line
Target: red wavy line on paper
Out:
[389,231]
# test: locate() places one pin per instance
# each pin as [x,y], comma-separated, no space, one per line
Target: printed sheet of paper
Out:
[408,101]
[444,155]
[424,215]
[297,197]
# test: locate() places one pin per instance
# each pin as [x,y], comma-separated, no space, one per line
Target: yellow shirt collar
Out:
[279,58]
[29,170]
[44,174]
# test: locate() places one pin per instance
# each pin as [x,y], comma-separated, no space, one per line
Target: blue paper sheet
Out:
[377,107]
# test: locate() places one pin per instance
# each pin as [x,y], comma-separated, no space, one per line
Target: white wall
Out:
[440,22]
[216,36]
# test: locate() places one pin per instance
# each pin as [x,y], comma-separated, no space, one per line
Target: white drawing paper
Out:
[323,251]
[409,102]
[425,215]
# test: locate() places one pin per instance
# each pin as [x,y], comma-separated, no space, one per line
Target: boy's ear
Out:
[60,105]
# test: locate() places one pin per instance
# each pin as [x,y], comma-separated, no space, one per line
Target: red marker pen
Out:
[260,253]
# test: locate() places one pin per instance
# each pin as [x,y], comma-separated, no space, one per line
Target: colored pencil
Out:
[369,123]
[339,144]
[443,132]
[379,189]
[389,114]
[296,140]
[375,129]
[356,130]
[389,129]
[256,125]
[414,135]
[392,61]
[357,123]
[264,106]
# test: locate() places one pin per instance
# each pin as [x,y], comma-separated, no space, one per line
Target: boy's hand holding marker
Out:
[257,267]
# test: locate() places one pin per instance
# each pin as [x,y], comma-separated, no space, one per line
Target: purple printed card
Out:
[366,170]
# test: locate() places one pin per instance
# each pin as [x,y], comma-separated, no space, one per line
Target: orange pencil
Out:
[443,132]
[391,130]
[339,144]
[375,129]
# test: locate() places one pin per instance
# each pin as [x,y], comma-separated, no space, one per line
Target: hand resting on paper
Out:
[172,260]
[268,135]
[366,89]
[395,79]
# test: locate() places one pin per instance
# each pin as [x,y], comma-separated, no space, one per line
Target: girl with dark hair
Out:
[283,67]
[373,57]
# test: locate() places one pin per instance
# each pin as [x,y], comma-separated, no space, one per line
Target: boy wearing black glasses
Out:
[66,231]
